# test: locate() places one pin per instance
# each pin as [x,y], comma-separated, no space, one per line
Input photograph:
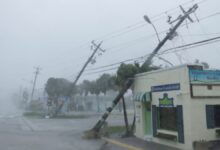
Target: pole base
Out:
[127,134]
[91,134]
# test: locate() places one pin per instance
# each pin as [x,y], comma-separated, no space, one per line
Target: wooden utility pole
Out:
[97,47]
[35,80]
[129,82]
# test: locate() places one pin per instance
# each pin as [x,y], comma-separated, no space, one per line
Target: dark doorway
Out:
[167,118]
[217,115]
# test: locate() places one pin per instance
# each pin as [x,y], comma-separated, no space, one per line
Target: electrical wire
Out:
[217,33]
[140,24]
[133,59]
[136,25]
[191,44]
[120,45]
[105,66]
[114,68]
[110,69]
[167,51]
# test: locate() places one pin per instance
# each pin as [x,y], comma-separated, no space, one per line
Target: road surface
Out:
[20,133]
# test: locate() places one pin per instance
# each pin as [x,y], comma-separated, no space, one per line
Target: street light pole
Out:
[147,19]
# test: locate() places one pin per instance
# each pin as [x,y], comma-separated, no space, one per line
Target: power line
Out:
[140,24]
[181,48]
[125,32]
[130,42]
[105,66]
[120,30]
[137,58]
[191,44]
[136,25]
[114,68]
[205,34]
[161,32]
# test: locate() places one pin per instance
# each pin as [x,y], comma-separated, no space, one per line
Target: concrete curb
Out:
[120,144]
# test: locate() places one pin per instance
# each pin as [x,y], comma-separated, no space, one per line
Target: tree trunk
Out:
[98,104]
[125,115]
[59,105]
[120,106]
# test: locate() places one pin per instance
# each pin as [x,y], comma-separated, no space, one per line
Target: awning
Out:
[142,96]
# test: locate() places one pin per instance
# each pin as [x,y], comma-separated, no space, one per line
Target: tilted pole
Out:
[34,84]
[97,47]
[129,82]
[87,62]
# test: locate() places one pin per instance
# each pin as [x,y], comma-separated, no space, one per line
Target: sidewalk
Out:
[133,143]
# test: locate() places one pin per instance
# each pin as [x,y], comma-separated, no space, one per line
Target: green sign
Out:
[166,101]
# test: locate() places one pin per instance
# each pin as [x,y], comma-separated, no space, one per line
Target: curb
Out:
[120,144]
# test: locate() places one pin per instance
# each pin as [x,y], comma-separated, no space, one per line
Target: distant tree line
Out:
[60,87]
[56,87]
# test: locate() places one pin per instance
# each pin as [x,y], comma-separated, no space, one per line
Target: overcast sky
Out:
[56,35]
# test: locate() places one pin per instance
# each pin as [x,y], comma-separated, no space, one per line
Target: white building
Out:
[178,106]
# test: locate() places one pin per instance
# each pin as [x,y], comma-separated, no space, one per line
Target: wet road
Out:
[20,133]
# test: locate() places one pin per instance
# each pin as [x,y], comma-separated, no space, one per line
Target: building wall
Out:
[198,121]
[194,111]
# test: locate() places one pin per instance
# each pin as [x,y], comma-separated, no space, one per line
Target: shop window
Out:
[213,116]
[168,123]
[167,118]
[209,87]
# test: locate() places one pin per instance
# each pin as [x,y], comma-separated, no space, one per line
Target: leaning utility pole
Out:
[129,82]
[97,47]
[35,80]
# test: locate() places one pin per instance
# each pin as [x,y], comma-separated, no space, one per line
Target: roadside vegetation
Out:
[37,115]
[60,89]
[40,115]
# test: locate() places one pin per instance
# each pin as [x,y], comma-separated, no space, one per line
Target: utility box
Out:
[179,106]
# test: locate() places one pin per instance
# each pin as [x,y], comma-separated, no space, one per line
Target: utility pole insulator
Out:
[185,13]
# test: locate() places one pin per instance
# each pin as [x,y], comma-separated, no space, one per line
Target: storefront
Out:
[178,106]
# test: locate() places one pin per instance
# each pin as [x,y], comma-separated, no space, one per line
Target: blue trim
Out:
[180,124]
[210,116]
[165,87]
